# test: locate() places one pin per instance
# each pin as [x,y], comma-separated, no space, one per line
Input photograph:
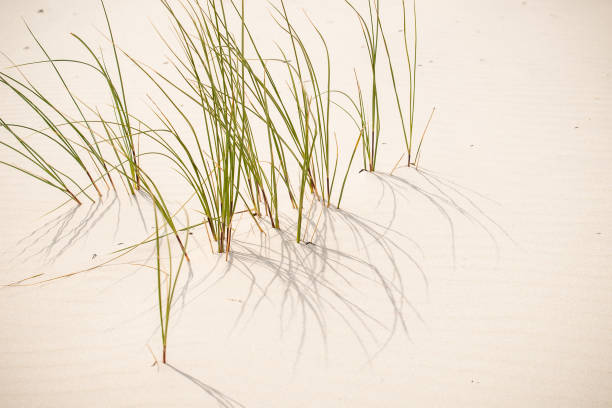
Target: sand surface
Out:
[499,249]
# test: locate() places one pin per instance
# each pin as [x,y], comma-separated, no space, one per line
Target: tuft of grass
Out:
[213,143]
[167,284]
[50,175]
[212,164]
[373,30]
[121,140]
[37,102]
[217,151]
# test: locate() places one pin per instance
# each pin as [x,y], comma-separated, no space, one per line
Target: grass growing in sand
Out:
[242,134]
[372,29]
[166,282]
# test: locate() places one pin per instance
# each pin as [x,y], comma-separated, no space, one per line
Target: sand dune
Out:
[500,243]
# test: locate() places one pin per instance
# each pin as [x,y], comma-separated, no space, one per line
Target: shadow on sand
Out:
[325,278]
[223,400]
[322,279]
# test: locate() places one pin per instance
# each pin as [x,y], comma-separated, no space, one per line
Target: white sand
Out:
[502,244]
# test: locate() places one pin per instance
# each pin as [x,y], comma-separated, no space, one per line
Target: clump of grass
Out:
[166,282]
[370,119]
[212,164]
[50,175]
[373,30]
[87,138]
[122,140]
[76,150]
[216,152]
[411,63]
[313,106]
[412,66]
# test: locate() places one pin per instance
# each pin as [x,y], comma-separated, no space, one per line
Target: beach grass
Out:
[243,136]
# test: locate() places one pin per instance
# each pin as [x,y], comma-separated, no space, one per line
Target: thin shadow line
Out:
[222,399]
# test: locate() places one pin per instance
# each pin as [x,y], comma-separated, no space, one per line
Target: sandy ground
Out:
[502,242]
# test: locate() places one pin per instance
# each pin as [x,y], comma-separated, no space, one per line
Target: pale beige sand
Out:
[503,244]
